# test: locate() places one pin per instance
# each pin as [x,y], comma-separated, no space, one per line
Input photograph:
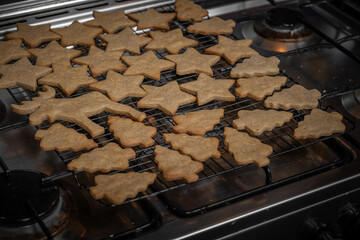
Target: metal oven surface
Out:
[228,199]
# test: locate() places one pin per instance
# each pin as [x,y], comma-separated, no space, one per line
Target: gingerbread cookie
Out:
[125,40]
[11,50]
[61,138]
[130,133]
[22,73]
[187,10]
[172,41]
[246,149]
[319,124]
[259,87]
[232,50]
[256,66]
[118,87]
[197,147]
[198,123]
[33,36]
[53,53]
[100,61]
[67,78]
[152,19]
[175,166]
[76,110]
[108,158]
[110,21]
[213,26]
[167,98]
[208,89]
[191,61]
[258,121]
[118,187]
[296,97]
[147,64]
[77,34]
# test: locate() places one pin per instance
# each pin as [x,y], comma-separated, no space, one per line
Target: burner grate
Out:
[281,139]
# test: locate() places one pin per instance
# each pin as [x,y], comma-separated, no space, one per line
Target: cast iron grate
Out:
[281,139]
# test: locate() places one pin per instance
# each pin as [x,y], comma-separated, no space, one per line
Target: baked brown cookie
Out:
[22,73]
[213,26]
[187,10]
[118,187]
[208,89]
[130,133]
[108,158]
[77,34]
[259,87]
[197,147]
[110,21]
[61,138]
[319,124]
[167,98]
[100,62]
[11,50]
[147,64]
[172,41]
[191,61]
[198,123]
[53,53]
[152,19]
[118,87]
[33,36]
[232,50]
[296,97]
[258,121]
[175,166]
[256,66]
[67,78]
[246,149]
[76,110]
[125,40]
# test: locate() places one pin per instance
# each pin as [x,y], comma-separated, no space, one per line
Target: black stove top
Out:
[304,179]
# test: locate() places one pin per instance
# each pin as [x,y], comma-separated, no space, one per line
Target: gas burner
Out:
[279,31]
[282,24]
[23,196]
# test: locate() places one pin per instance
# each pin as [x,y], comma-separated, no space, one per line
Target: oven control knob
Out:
[349,220]
[314,230]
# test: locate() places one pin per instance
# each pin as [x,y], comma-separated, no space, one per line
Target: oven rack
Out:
[281,139]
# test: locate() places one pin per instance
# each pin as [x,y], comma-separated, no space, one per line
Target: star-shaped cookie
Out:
[232,50]
[118,87]
[256,66]
[213,26]
[33,36]
[171,41]
[166,98]
[125,40]
[53,53]
[22,73]
[11,50]
[152,19]
[208,89]
[187,10]
[110,21]
[191,61]
[147,64]
[296,97]
[77,34]
[319,124]
[100,61]
[68,79]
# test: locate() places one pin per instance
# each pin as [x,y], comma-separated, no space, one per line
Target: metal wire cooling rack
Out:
[281,139]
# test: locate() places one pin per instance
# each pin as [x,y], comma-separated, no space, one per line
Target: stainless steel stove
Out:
[310,190]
